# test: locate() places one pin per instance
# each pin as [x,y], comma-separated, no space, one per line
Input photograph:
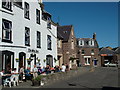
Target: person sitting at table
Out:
[35,72]
[27,74]
[39,70]
[2,75]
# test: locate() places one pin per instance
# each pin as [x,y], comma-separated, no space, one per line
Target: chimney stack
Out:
[94,36]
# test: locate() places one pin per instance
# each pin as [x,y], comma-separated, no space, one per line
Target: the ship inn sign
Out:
[32,50]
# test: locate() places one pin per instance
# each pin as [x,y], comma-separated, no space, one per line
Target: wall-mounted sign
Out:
[104,55]
[33,50]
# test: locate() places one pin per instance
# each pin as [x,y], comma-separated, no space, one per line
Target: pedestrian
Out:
[35,72]
[63,68]
[67,67]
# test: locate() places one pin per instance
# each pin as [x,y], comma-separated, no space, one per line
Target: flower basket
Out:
[17,60]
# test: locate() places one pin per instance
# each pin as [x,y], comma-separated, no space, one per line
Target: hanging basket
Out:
[17,60]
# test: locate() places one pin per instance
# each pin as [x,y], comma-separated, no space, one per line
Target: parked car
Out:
[111,64]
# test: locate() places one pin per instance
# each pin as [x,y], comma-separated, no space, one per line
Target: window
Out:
[27,36]
[26,10]
[7,4]
[72,45]
[59,43]
[18,3]
[37,16]
[49,22]
[6,31]
[49,42]
[83,51]
[91,42]
[92,51]
[81,42]
[38,39]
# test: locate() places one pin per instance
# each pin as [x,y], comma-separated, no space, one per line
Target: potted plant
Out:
[44,60]
[38,60]
[28,59]
[38,80]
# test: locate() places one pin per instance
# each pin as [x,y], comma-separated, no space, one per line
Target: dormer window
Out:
[7,4]
[81,42]
[91,42]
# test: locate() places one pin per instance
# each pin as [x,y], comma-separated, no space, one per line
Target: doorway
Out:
[7,60]
[22,59]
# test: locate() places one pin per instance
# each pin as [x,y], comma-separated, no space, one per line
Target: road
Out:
[99,78]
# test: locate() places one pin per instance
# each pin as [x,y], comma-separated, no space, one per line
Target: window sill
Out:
[8,41]
[27,18]
[49,49]
[27,45]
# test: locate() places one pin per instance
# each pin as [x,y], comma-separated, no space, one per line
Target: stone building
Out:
[28,36]
[87,51]
[68,44]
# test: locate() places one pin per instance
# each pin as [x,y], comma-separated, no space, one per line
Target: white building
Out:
[27,35]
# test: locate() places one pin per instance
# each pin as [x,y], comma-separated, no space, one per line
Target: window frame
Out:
[7,31]
[39,36]
[49,42]
[26,10]
[4,6]
[27,37]
[37,16]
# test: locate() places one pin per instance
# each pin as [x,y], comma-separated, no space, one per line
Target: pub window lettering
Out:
[49,42]
[6,30]
[7,4]
[26,10]
[38,39]
[27,36]
[37,16]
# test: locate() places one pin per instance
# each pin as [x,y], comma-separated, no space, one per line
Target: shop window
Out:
[6,31]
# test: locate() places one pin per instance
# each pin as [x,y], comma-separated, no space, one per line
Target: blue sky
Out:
[87,18]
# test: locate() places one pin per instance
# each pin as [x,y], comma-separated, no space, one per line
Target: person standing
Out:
[21,72]
[63,68]
[35,72]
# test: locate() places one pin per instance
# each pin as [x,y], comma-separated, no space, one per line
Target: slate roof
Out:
[86,45]
[106,51]
[64,31]
[117,50]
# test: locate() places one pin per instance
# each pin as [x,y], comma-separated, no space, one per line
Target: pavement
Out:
[28,83]
[87,77]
